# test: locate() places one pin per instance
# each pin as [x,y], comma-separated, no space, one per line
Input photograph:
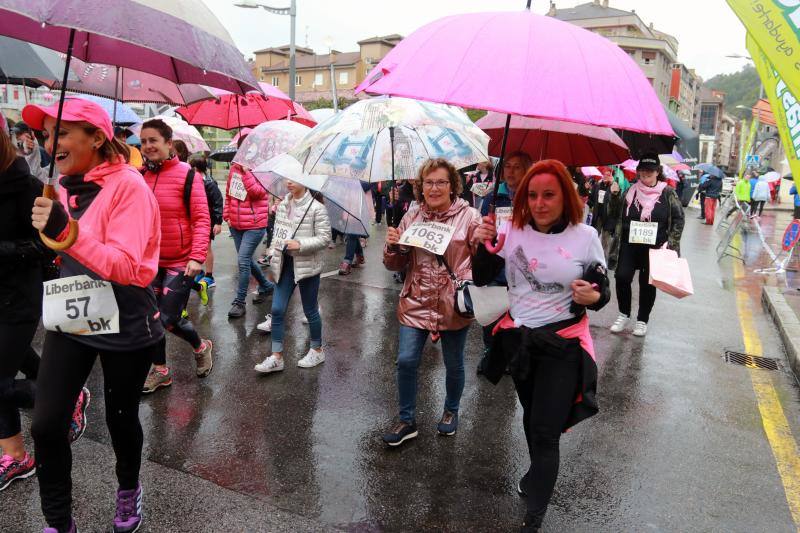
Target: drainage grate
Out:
[751,361]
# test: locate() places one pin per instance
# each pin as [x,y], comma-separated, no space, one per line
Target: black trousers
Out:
[756,207]
[170,309]
[632,258]
[65,366]
[17,356]
[546,397]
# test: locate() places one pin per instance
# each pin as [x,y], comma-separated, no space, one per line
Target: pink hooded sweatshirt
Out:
[108,243]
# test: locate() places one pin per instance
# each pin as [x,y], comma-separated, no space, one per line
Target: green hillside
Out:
[741,88]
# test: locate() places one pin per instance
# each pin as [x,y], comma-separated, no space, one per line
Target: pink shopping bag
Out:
[670,273]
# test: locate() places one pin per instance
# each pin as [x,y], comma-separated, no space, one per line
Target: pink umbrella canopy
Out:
[543,68]
[572,144]
[228,111]
[128,85]
[180,40]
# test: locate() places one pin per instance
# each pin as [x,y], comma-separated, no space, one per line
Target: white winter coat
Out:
[313,234]
[761,191]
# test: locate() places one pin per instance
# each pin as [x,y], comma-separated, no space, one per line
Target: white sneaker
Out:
[270,364]
[640,329]
[312,359]
[619,324]
[265,326]
[304,320]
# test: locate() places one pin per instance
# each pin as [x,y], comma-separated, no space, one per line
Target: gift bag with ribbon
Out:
[670,273]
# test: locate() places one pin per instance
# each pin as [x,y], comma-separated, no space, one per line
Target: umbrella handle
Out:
[494,249]
[72,236]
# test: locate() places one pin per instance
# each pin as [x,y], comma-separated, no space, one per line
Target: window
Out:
[708,120]
[275,81]
[648,57]
[318,79]
[298,81]
[344,78]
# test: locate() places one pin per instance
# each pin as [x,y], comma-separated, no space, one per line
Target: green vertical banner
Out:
[784,103]
[774,25]
[751,136]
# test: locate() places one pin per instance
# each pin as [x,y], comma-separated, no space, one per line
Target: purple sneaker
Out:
[129,510]
[72,529]
[78,423]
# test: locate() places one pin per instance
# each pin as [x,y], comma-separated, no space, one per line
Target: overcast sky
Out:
[707,30]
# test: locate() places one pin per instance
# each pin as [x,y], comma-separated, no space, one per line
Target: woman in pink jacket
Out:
[102,305]
[185,231]
[247,213]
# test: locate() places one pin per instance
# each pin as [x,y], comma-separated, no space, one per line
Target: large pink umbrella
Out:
[228,111]
[572,144]
[180,40]
[128,85]
[538,66]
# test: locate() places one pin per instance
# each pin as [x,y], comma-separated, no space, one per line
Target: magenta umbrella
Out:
[572,144]
[128,85]
[180,40]
[228,111]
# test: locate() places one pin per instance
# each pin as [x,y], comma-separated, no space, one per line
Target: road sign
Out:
[752,159]
[791,235]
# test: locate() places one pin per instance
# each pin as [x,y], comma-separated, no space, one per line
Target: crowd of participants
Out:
[147,220]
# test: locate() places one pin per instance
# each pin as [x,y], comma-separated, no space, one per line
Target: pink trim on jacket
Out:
[182,239]
[253,211]
[120,231]
[579,330]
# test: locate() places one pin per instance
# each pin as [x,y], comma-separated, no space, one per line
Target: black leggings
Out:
[66,365]
[632,258]
[17,355]
[171,313]
[757,207]
[546,397]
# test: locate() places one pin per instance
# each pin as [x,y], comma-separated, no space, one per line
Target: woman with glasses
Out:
[426,307]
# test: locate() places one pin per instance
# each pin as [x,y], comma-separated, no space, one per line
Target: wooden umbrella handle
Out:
[72,236]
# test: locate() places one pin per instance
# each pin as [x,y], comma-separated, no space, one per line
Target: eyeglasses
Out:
[435,184]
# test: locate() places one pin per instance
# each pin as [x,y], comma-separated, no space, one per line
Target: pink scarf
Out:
[645,198]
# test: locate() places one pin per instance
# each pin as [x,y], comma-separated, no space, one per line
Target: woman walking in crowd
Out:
[711,189]
[215,210]
[556,269]
[649,216]
[599,201]
[118,245]
[185,230]
[426,307]
[247,213]
[302,233]
[760,196]
[22,256]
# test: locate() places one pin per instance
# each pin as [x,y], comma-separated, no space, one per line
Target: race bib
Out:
[80,305]
[431,236]
[480,189]
[236,187]
[601,196]
[281,232]
[643,232]
[501,216]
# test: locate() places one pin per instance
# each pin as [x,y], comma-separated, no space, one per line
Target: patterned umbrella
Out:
[268,140]
[389,138]
[181,131]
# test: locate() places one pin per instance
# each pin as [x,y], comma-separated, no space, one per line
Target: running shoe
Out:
[269,365]
[260,296]
[210,282]
[156,379]
[202,290]
[345,268]
[129,510]
[448,424]
[619,324]
[203,359]
[399,433]
[184,314]
[12,470]
[78,423]
[200,276]
[312,359]
[237,310]
[640,329]
[265,326]
[73,528]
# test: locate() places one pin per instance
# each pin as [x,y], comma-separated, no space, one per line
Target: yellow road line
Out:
[776,427]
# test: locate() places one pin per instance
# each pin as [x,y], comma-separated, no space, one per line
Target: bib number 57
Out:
[73,307]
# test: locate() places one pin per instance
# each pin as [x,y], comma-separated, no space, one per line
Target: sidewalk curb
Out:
[787,322]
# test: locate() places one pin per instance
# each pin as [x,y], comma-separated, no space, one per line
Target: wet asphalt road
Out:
[679,444]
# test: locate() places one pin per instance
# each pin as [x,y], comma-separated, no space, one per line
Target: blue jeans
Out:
[352,247]
[411,341]
[309,289]
[246,242]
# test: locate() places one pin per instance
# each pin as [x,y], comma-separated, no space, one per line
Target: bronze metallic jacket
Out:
[427,298]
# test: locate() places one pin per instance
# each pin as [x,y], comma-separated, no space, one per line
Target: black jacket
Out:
[601,218]
[215,200]
[21,250]
[712,187]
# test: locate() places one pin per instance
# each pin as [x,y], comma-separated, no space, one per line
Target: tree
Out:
[740,88]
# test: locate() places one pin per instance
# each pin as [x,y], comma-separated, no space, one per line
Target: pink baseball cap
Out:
[75,110]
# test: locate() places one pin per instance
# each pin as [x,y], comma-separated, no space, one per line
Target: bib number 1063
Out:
[430,236]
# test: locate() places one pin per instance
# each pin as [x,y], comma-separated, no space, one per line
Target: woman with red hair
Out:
[555,269]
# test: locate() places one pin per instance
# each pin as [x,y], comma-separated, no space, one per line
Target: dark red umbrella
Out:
[571,143]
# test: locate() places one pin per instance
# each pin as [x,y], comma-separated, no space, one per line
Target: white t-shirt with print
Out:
[540,268]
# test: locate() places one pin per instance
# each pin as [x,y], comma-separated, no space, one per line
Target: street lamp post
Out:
[331,55]
[292,12]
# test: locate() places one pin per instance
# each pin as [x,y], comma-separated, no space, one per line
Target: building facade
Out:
[313,71]
[655,52]
[684,92]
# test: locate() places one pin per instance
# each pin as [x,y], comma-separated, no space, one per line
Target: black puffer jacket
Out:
[21,250]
